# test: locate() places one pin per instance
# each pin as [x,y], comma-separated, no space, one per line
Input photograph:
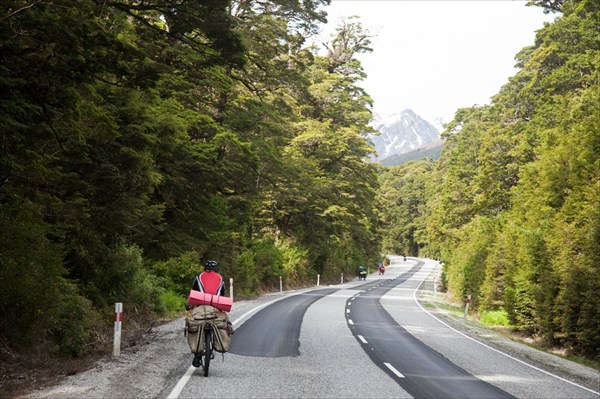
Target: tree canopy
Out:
[139,139]
[512,206]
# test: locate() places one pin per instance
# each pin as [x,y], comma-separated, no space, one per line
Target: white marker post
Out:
[231,288]
[318,279]
[342,279]
[280,284]
[468,301]
[117,335]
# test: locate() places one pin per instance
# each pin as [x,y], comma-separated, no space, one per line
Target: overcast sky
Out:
[437,56]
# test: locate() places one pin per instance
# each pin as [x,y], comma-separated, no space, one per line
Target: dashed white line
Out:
[364,341]
[350,321]
[393,370]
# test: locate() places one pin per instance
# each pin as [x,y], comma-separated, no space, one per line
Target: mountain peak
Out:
[391,118]
[401,132]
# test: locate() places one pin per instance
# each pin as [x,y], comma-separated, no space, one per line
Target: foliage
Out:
[139,140]
[512,204]
[172,303]
[494,318]
[177,273]
[402,197]
[69,322]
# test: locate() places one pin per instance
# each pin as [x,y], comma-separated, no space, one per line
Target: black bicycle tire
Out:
[208,349]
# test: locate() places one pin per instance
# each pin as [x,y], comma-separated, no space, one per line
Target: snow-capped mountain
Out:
[400,133]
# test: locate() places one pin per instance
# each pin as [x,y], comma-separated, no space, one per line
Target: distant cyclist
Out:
[362,273]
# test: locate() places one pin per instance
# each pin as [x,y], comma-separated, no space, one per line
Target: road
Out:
[366,340]
[371,339]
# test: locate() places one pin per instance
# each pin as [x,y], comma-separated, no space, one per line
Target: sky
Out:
[437,56]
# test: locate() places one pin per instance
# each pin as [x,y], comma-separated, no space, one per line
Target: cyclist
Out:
[362,273]
[210,282]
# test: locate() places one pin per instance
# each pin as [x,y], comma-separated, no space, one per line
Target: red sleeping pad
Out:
[200,298]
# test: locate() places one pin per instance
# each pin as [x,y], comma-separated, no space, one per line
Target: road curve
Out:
[420,370]
[275,330]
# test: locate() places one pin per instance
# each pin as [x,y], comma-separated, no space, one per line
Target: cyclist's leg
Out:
[198,355]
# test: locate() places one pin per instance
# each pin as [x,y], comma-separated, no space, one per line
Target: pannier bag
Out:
[195,334]
[222,340]
[194,327]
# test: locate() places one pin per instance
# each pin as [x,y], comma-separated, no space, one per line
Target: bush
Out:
[494,318]
[295,263]
[173,303]
[245,274]
[69,322]
[177,274]
[268,262]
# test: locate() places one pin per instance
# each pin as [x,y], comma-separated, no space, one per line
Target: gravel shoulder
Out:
[139,371]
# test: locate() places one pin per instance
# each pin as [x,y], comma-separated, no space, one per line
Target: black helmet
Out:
[211,265]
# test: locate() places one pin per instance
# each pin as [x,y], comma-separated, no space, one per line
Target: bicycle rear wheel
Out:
[208,349]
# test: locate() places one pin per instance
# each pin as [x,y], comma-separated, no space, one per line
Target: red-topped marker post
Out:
[117,335]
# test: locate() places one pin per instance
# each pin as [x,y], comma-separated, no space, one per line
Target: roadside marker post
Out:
[468,301]
[342,279]
[280,284]
[117,335]
[231,288]
[318,279]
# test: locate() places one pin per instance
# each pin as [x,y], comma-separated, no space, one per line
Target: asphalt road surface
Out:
[366,339]
[417,368]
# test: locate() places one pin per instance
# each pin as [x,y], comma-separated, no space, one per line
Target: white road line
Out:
[347,310]
[181,383]
[350,321]
[183,380]
[364,341]
[393,370]
[496,350]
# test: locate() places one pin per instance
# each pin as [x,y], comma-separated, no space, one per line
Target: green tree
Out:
[403,197]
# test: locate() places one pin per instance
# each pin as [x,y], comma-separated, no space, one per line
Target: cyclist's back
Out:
[210,281]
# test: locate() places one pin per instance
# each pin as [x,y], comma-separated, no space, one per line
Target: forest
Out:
[512,207]
[140,138]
